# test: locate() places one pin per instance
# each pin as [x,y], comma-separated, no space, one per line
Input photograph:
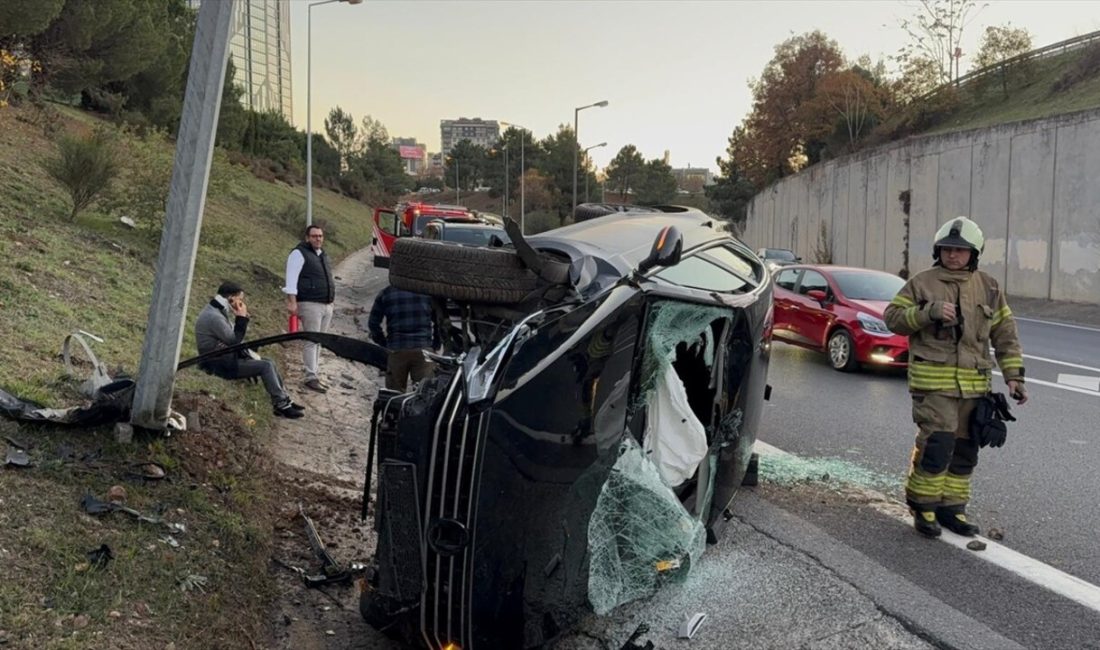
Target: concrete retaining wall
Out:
[1033,187]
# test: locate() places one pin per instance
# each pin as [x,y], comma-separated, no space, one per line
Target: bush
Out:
[85,167]
[146,173]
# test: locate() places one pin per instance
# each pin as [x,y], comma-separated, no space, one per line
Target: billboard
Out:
[413,153]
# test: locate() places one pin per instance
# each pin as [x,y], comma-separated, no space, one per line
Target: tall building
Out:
[259,48]
[478,131]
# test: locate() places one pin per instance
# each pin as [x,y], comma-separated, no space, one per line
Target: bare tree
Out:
[935,31]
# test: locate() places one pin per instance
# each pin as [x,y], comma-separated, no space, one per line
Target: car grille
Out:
[450,511]
[903,357]
[400,571]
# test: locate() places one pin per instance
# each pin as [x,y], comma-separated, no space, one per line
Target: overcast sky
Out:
[675,73]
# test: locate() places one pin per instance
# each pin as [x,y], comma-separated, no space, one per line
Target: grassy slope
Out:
[96,275]
[1029,97]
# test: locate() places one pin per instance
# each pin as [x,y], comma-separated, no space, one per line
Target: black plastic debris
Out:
[94,506]
[632,642]
[99,557]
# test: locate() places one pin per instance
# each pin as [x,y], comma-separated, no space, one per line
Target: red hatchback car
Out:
[838,310]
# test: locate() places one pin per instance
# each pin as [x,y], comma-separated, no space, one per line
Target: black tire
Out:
[841,351]
[464,273]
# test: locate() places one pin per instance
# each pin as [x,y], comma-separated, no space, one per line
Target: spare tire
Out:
[466,273]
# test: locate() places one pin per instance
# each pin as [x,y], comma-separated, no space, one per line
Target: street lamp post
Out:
[522,180]
[309,83]
[586,150]
[577,144]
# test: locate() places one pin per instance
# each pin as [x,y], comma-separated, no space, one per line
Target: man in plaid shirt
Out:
[409,331]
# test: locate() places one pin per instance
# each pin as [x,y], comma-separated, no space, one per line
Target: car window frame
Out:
[797,278]
[802,277]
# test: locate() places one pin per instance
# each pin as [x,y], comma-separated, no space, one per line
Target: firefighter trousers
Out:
[944,455]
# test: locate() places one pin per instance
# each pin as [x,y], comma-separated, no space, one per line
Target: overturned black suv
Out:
[592,414]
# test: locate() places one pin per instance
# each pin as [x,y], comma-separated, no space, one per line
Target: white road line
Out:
[1062,363]
[1050,322]
[1072,389]
[1028,568]
[1080,381]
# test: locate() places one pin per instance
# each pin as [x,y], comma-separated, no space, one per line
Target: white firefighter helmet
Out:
[960,232]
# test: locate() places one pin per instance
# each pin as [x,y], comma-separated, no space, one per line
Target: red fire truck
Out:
[408,220]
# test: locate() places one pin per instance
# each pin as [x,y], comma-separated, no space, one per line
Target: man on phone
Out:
[213,332]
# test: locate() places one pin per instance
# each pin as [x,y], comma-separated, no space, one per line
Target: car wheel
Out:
[841,351]
[464,273]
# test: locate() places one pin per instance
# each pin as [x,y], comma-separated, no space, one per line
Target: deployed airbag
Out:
[674,437]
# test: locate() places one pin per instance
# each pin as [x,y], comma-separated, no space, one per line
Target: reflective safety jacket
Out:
[953,359]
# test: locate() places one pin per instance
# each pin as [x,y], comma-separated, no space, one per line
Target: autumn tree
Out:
[935,34]
[999,44]
[784,117]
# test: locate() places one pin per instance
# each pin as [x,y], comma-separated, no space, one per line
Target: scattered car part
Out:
[99,376]
[632,642]
[690,625]
[94,506]
[17,458]
[331,571]
[193,581]
[149,471]
[98,558]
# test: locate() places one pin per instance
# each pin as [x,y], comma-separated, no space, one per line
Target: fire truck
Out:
[408,220]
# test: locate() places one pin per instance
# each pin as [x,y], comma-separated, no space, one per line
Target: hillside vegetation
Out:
[209,587]
[1053,86]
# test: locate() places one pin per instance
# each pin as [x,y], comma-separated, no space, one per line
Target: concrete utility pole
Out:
[183,216]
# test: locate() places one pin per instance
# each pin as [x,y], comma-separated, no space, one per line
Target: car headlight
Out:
[873,325]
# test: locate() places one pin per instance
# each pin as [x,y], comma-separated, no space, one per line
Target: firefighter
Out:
[952,313]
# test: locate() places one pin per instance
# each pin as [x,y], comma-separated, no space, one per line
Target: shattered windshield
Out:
[639,534]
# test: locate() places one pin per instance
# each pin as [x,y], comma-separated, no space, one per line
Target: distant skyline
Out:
[675,74]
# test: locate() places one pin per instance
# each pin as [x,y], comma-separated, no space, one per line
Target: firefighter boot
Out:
[925,523]
[953,518]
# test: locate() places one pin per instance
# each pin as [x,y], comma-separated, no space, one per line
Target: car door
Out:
[385,234]
[813,317]
[785,305]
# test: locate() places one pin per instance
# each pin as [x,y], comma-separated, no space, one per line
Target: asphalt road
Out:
[1040,488]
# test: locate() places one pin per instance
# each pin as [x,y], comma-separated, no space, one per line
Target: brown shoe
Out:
[315,384]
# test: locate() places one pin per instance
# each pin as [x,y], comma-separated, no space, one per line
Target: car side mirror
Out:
[817,294]
[667,249]
[798,259]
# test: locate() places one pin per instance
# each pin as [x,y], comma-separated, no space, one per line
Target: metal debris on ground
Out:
[17,458]
[690,625]
[194,582]
[331,571]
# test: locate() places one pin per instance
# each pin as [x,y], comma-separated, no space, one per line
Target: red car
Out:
[838,310]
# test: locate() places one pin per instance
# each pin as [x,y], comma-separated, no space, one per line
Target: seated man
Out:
[213,332]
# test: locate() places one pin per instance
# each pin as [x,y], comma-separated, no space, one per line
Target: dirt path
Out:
[322,457]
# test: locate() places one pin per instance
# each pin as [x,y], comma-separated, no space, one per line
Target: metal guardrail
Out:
[1061,47]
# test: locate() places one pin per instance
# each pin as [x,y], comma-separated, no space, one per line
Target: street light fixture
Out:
[586,150]
[309,83]
[577,144]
